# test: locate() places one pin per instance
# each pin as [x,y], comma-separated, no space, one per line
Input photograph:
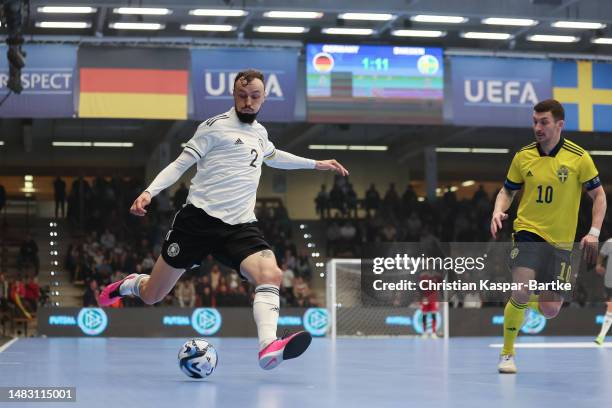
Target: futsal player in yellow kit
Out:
[552,172]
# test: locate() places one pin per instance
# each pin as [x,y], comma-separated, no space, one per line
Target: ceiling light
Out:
[418,33]
[328,147]
[422,18]
[71,144]
[519,22]
[600,152]
[471,150]
[1,142]
[578,24]
[553,38]
[207,27]
[371,148]
[218,13]
[347,31]
[146,11]
[63,24]
[293,14]
[136,26]
[280,29]
[486,36]
[66,10]
[113,144]
[468,183]
[602,40]
[366,16]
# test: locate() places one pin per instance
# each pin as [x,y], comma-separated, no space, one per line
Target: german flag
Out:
[139,83]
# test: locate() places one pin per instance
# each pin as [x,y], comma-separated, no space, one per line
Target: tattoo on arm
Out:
[266,253]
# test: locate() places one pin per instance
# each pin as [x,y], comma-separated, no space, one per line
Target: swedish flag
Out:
[585,90]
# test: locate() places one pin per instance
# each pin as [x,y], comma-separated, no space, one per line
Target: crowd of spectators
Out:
[118,244]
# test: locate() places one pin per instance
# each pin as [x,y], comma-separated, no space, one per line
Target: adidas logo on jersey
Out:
[238,142]
[529,174]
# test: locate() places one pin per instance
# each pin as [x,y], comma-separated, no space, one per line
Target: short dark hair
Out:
[249,75]
[553,106]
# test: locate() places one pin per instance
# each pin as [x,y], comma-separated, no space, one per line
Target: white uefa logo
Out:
[174,249]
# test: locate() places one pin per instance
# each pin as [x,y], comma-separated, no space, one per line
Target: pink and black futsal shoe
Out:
[286,348]
[110,294]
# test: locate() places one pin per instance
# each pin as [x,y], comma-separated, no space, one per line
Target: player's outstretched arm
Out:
[164,179]
[280,159]
[331,165]
[502,203]
[589,241]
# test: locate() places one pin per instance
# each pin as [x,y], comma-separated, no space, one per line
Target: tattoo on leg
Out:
[266,253]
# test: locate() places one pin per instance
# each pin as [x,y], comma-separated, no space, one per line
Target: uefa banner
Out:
[133,83]
[213,72]
[172,321]
[498,91]
[47,80]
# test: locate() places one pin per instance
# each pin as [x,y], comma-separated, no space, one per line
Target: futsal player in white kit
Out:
[218,218]
[605,252]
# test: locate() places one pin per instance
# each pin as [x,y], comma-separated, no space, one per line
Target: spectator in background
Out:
[2,197]
[180,197]
[391,202]
[351,201]
[186,293]
[287,283]
[90,297]
[108,240]
[4,291]
[32,294]
[409,201]
[372,200]
[322,202]
[28,253]
[59,189]
[472,300]
[215,277]
[336,199]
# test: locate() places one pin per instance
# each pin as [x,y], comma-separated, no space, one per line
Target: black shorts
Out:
[608,294]
[194,234]
[550,263]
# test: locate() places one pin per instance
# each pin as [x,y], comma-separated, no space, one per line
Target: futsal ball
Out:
[197,358]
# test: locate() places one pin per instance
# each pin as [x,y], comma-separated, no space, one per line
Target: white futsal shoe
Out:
[506,364]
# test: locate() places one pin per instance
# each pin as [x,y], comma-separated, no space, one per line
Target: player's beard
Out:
[246,117]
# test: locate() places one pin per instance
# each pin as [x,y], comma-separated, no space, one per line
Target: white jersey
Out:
[230,154]
[606,251]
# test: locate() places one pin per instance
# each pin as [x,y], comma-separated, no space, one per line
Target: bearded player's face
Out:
[248,97]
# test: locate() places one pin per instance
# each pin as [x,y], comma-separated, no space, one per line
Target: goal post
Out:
[352,313]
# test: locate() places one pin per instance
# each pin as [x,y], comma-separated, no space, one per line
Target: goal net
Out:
[354,312]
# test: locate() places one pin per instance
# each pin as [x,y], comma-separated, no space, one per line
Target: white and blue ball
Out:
[197,358]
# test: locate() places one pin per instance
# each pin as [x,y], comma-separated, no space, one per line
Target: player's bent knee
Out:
[550,309]
[271,276]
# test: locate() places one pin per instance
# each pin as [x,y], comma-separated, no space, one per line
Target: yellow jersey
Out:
[552,189]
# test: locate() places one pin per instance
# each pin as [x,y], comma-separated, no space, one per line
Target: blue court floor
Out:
[119,372]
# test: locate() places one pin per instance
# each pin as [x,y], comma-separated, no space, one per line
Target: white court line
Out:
[9,344]
[555,345]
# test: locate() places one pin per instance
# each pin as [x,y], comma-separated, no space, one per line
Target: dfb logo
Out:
[206,321]
[92,320]
[316,321]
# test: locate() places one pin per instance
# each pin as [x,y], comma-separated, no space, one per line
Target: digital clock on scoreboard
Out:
[374,84]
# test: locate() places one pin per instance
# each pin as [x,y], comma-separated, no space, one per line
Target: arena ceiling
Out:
[27,143]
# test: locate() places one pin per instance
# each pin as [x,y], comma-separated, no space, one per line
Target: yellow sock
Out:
[534,302]
[514,314]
